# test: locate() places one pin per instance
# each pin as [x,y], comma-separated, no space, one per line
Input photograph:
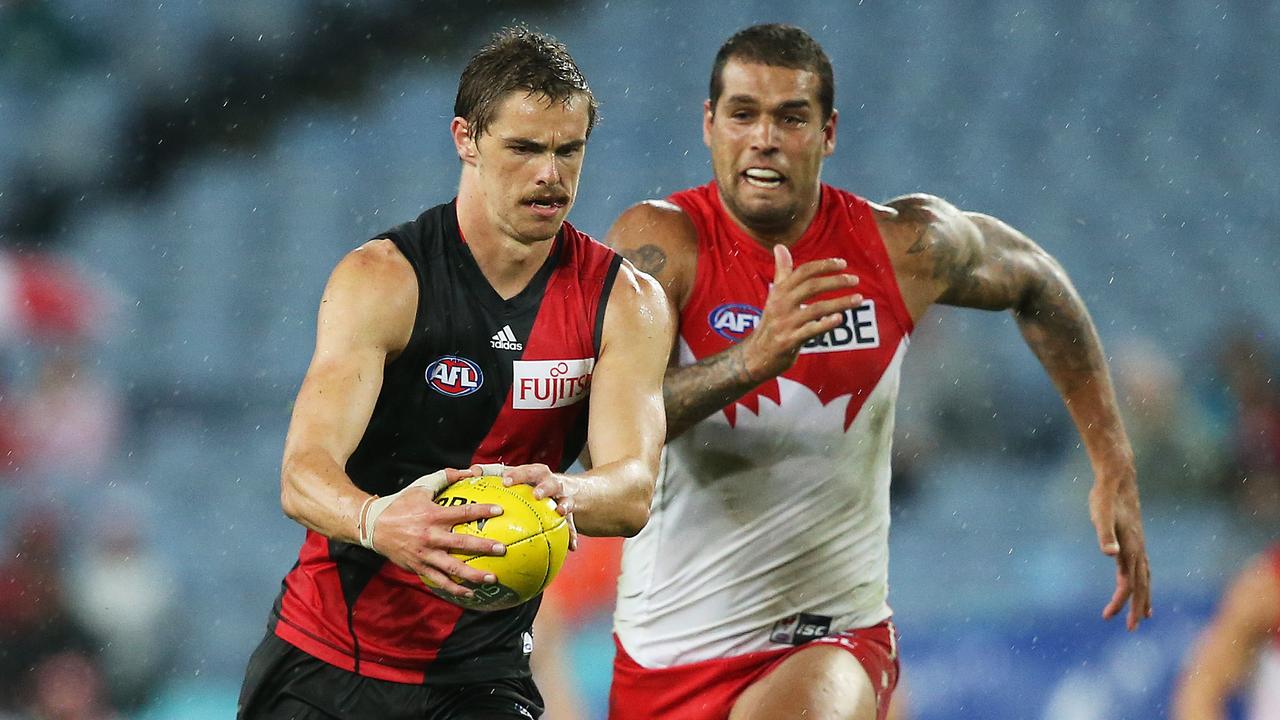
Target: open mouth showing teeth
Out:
[547,204]
[763,178]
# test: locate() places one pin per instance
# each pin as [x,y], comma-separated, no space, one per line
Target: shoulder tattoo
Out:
[648,259]
[949,260]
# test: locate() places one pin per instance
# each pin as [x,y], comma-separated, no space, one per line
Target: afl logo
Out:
[734,321]
[454,376]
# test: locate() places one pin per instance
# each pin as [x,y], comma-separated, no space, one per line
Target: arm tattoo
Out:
[944,256]
[922,240]
[1003,270]
[998,268]
[695,392]
[1057,328]
[954,266]
[649,259]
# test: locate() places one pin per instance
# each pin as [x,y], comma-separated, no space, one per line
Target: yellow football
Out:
[536,536]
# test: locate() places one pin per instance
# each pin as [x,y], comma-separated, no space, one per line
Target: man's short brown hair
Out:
[780,46]
[518,59]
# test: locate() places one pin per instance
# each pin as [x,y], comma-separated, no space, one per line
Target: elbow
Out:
[290,505]
[637,512]
[634,521]
[623,515]
[290,501]
[1047,285]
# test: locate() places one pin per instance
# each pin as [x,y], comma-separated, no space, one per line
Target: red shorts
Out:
[707,690]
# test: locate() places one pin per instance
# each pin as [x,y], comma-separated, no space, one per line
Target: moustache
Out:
[549,198]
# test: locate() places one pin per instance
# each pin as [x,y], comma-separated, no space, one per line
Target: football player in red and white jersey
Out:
[1242,640]
[759,587]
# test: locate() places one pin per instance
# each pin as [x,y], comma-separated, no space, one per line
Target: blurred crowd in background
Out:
[176,180]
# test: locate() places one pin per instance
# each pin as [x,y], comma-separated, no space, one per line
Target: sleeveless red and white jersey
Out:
[1266,685]
[770,521]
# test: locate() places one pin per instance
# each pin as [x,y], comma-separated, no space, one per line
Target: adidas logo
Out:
[504,339]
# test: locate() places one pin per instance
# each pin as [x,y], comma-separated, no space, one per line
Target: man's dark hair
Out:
[780,46]
[518,58]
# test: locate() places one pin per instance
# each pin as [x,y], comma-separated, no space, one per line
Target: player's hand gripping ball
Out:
[536,536]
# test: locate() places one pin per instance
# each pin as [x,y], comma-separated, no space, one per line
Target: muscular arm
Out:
[356,331]
[976,261]
[366,317]
[626,427]
[695,392]
[1227,650]
[943,255]
[661,241]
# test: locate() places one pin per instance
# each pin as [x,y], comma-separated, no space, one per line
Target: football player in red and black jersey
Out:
[487,332]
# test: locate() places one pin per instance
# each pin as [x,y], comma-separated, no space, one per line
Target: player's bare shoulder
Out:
[658,239]
[373,293]
[374,272]
[920,230]
[930,242]
[639,309]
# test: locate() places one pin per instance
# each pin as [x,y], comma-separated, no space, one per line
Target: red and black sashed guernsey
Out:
[482,380]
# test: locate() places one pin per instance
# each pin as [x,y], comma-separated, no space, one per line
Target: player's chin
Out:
[539,229]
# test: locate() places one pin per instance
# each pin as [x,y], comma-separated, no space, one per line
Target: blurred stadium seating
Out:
[206,164]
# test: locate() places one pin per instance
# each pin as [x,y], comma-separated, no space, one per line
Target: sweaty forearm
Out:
[612,500]
[316,492]
[695,392]
[1056,326]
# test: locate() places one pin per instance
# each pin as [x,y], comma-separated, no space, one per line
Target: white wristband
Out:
[495,469]
[373,507]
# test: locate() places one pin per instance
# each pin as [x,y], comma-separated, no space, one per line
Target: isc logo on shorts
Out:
[454,376]
[800,629]
[857,331]
[734,321]
[546,384]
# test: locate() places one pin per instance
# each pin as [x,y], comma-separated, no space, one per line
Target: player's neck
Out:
[508,264]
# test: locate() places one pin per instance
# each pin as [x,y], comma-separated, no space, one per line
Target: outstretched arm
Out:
[661,241]
[972,260]
[1227,650]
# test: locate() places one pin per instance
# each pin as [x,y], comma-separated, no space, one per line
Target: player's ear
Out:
[463,140]
[708,114]
[829,134]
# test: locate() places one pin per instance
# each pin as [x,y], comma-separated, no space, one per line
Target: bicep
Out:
[967,259]
[658,240]
[335,403]
[627,416]
[357,328]
[1001,268]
